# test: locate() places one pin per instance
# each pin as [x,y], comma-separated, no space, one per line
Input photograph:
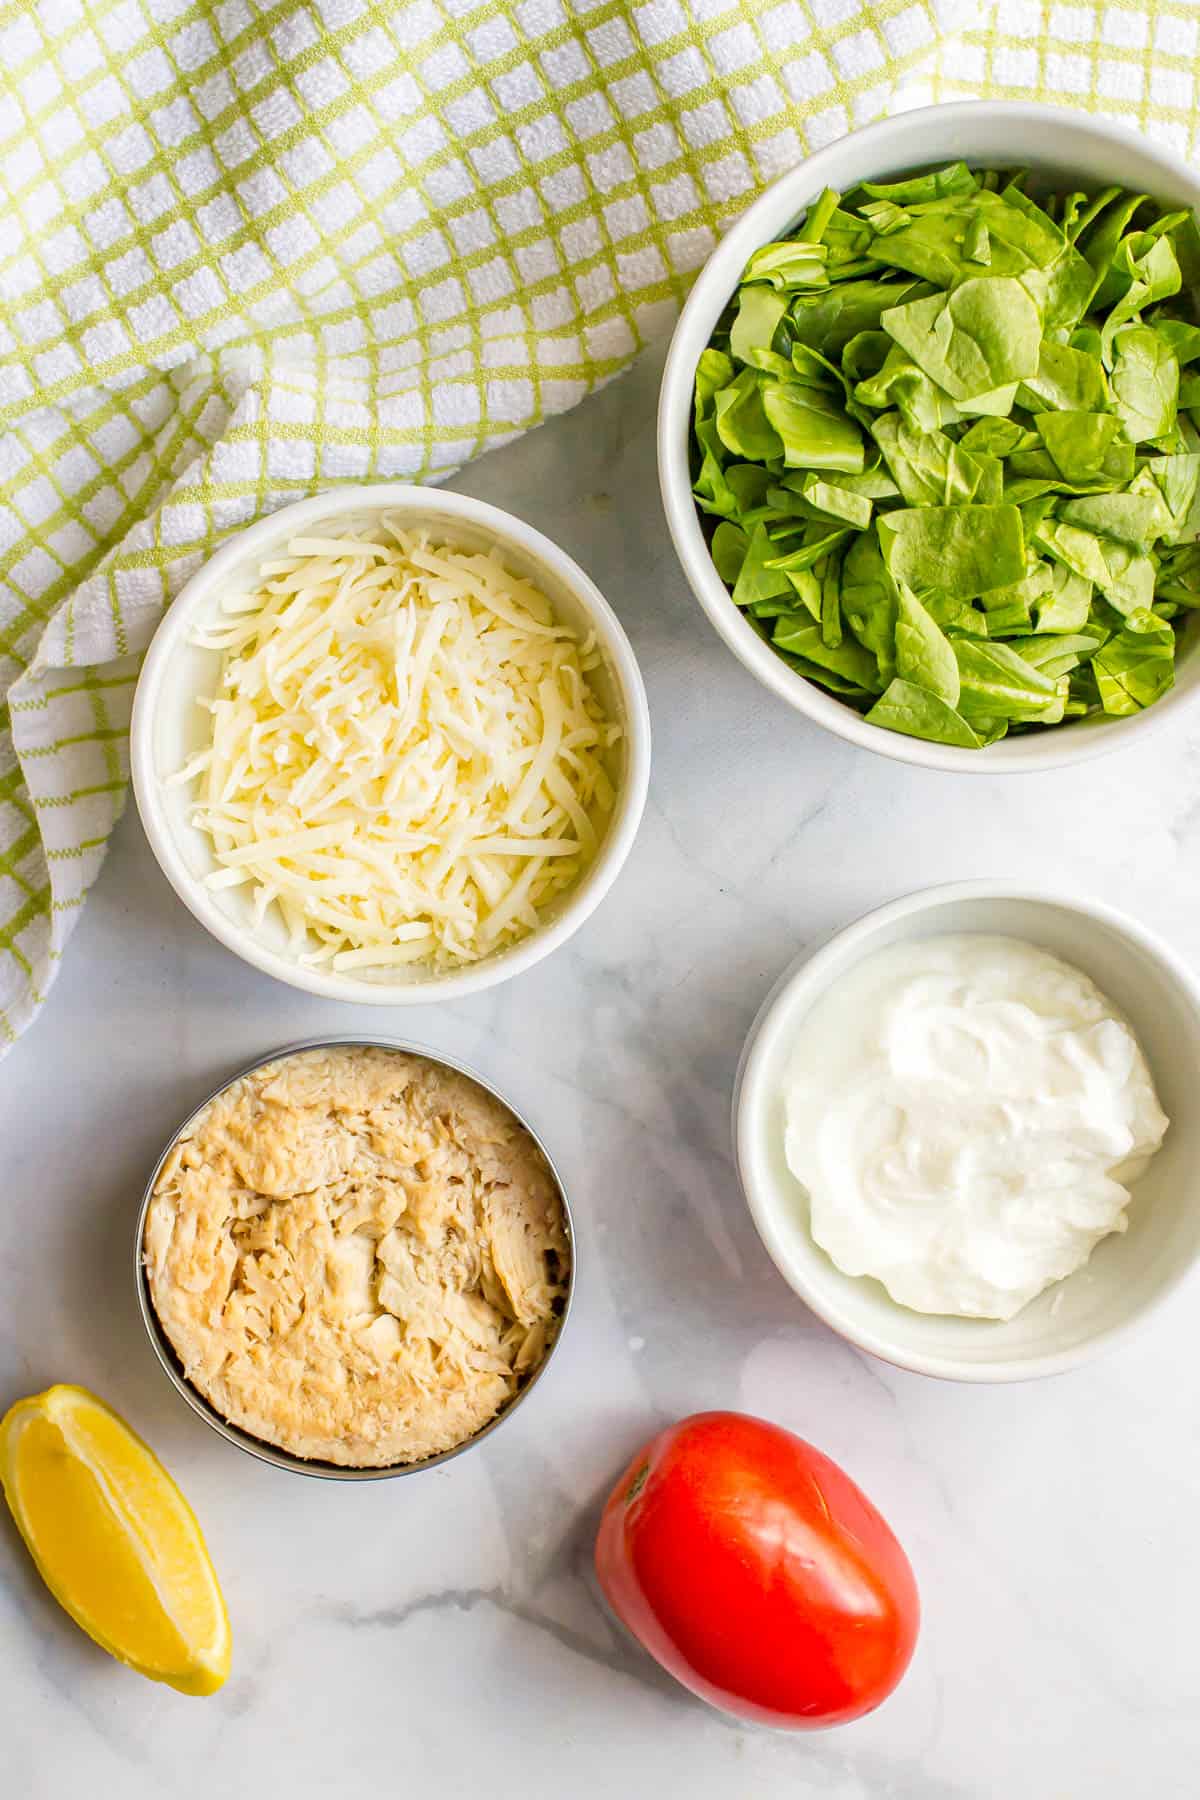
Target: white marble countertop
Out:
[441,1636]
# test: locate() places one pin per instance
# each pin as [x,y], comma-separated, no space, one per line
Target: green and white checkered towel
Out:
[253,247]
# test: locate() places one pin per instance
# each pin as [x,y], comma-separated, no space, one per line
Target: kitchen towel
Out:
[249,249]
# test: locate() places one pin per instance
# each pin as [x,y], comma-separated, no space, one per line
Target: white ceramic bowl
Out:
[1087,152]
[168,727]
[1127,1275]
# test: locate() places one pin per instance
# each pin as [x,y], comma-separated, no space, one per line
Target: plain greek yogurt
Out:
[966,1114]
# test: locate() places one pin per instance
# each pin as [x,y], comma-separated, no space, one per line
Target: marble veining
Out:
[442,1636]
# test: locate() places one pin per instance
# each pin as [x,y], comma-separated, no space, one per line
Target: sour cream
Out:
[966,1114]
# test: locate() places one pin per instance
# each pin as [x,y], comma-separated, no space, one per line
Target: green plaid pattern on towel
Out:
[251,249]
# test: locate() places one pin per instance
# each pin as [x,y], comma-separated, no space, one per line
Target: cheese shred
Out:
[407,759]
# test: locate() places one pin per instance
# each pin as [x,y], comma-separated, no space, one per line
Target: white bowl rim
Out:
[1055,747]
[807,970]
[439,504]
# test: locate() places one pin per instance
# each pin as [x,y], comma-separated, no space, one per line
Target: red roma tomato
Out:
[757,1573]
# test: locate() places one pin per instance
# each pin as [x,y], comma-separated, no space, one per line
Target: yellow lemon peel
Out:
[114,1539]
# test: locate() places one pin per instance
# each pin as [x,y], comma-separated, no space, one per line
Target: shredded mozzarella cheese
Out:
[407,759]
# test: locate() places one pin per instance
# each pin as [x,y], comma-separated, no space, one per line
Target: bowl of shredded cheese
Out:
[390,745]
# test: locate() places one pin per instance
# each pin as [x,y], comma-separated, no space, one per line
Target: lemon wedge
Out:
[114,1539]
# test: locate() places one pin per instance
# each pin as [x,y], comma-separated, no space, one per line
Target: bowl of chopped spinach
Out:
[929,436]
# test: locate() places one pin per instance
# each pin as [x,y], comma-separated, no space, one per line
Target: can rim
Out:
[259,1448]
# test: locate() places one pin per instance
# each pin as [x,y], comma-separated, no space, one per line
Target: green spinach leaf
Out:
[946,440]
[967,549]
[917,713]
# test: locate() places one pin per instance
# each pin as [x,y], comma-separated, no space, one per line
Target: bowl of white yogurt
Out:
[967,1133]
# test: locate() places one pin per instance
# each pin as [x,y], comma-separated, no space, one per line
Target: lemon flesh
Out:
[114,1539]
